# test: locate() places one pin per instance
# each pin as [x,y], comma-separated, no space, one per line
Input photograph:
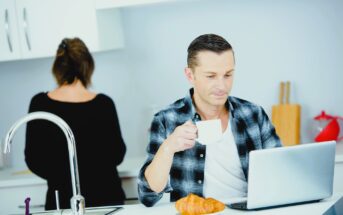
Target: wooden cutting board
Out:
[286,118]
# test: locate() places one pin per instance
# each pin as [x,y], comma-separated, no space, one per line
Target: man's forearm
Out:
[157,172]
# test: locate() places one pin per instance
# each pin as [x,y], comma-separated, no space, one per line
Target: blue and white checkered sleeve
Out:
[157,136]
[268,134]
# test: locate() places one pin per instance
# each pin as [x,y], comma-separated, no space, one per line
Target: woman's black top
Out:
[99,144]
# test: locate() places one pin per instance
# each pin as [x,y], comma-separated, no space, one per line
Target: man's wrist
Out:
[166,149]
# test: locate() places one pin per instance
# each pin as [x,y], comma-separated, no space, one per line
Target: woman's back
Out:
[94,122]
[99,144]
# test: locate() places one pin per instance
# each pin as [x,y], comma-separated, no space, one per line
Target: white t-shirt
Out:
[223,176]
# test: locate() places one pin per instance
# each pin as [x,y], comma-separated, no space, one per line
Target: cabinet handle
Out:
[26,26]
[7,28]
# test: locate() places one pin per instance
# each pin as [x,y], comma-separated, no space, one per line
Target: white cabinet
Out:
[130,187]
[102,4]
[9,40]
[16,186]
[13,197]
[34,28]
[43,23]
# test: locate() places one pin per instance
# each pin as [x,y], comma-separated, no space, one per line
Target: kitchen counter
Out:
[9,178]
[169,209]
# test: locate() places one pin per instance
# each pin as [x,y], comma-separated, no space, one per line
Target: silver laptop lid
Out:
[289,175]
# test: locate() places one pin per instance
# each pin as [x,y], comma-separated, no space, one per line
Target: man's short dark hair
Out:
[206,42]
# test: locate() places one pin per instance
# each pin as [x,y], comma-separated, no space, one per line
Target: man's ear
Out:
[189,75]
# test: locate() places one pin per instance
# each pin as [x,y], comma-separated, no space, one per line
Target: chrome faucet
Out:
[77,201]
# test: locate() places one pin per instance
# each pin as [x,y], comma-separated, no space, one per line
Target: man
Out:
[176,162]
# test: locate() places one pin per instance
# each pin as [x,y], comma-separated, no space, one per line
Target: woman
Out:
[94,122]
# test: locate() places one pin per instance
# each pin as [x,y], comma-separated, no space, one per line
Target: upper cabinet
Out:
[34,28]
[105,4]
[43,23]
[9,40]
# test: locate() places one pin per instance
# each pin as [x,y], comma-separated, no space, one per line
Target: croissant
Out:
[195,205]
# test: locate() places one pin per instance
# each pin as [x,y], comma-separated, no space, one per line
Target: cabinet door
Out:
[44,23]
[9,42]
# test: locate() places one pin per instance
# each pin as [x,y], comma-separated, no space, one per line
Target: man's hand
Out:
[157,172]
[182,138]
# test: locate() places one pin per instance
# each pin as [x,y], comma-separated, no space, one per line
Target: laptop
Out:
[289,175]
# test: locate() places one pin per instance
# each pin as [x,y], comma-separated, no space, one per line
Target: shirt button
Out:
[201,155]
[199,181]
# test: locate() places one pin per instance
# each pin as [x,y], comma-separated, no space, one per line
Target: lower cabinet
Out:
[12,199]
[129,185]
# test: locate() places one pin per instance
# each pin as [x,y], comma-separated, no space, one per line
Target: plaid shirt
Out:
[251,129]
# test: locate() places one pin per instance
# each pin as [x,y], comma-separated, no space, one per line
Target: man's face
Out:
[212,77]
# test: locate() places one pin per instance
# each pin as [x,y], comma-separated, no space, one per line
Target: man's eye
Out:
[210,76]
[227,76]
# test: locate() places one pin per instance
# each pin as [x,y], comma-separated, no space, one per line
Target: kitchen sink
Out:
[89,211]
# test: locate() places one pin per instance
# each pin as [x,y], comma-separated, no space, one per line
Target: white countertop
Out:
[169,209]
[8,177]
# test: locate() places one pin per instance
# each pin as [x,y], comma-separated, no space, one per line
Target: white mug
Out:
[209,131]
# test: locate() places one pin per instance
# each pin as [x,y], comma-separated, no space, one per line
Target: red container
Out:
[329,127]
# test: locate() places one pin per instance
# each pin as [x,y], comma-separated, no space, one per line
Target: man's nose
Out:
[221,83]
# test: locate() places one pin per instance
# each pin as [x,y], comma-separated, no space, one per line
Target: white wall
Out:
[300,41]
[21,80]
